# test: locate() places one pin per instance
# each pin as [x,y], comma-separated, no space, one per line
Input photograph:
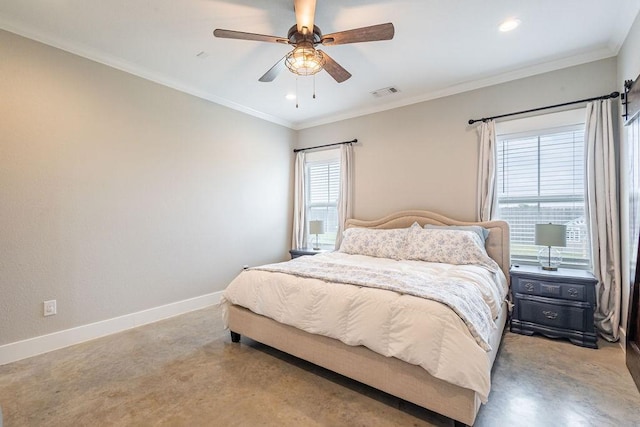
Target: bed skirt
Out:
[404,380]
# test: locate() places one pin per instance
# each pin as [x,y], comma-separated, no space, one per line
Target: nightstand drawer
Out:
[574,292]
[558,316]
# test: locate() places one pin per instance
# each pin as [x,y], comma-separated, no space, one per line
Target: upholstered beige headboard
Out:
[497,243]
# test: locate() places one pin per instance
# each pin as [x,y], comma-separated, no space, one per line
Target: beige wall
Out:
[118,194]
[425,155]
[628,69]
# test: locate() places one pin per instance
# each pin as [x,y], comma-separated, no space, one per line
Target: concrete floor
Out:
[185,371]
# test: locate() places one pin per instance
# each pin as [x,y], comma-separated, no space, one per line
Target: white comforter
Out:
[415,330]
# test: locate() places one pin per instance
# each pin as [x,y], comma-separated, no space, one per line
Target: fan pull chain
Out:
[314,86]
[296,91]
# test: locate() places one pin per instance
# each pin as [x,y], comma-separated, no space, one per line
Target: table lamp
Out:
[316,227]
[551,236]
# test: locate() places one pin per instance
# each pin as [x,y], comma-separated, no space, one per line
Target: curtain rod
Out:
[485,119]
[353,141]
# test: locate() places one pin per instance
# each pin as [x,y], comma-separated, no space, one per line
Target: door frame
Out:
[631,104]
[633,324]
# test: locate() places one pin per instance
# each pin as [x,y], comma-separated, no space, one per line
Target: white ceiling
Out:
[440,47]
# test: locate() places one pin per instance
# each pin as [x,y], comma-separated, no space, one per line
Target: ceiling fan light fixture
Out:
[305,60]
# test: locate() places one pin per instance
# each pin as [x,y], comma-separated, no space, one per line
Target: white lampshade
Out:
[316,227]
[551,235]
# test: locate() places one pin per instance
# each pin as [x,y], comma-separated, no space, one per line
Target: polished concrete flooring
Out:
[185,371]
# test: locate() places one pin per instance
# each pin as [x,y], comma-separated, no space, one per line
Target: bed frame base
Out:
[409,382]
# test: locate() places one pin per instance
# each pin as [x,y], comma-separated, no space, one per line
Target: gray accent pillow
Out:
[482,232]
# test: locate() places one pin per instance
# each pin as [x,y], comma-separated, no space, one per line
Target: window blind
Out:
[540,179]
[322,178]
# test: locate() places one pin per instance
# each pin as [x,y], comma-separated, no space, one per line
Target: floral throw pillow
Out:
[458,247]
[376,243]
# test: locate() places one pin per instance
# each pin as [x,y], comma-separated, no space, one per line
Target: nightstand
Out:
[295,253]
[558,304]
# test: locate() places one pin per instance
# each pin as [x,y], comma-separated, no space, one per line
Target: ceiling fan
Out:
[305,59]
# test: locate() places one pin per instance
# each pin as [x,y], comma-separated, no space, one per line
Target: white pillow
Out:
[377,243]
[458,247]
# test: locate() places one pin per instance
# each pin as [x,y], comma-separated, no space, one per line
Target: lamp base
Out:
[549,258]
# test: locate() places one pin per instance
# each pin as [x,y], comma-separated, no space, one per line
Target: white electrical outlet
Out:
[50,308]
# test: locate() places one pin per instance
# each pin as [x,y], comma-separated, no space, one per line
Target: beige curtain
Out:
[298,236]
[602,214]
[345,200]
[486,192]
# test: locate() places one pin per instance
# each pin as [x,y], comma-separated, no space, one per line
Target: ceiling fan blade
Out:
[230,34]
[273,72]
[305,12]
[334,69]
[358,35]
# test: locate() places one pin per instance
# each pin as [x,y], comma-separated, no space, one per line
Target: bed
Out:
[456,393]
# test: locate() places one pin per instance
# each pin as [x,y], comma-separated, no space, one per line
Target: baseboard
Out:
[33,346]
[623,338]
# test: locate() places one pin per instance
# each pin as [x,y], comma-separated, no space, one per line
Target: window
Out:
[540,179]
[322,181]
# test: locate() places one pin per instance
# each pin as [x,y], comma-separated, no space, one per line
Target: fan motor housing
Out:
[296,36]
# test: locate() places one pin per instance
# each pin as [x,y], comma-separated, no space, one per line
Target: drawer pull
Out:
[529,286]
[573,292]
[550,314]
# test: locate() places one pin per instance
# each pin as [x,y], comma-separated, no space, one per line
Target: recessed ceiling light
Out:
[509,24]
[290,96]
